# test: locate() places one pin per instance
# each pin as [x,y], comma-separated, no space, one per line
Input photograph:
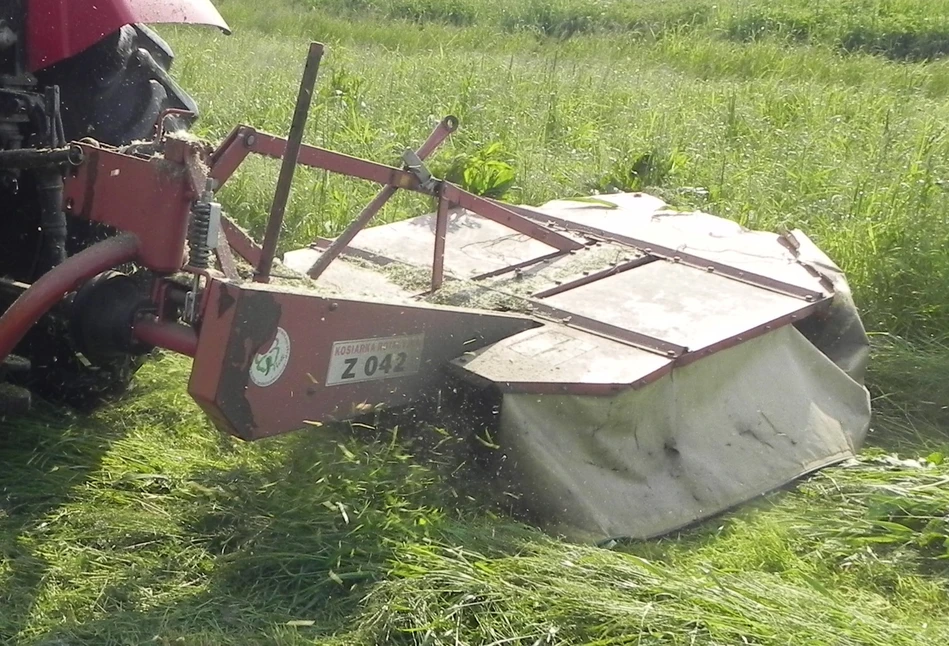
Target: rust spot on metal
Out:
[225,302]
[255,321]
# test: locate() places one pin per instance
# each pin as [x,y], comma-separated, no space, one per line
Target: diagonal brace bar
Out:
[503,215]
[244,141]
[439,134]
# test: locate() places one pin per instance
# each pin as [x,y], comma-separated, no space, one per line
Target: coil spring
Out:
[200,250]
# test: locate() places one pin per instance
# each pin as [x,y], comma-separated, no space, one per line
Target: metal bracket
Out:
[416,166]
[214,223]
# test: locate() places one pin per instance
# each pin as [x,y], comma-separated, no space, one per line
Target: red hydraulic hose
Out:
[53,286]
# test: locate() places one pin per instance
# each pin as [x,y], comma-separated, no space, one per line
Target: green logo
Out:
[267,367]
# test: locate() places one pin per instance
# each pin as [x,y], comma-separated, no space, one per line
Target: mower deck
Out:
[619,312]
[680,364]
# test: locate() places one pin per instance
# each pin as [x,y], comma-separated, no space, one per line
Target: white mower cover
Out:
[707,436]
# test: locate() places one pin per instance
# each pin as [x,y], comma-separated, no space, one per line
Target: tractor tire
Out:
[116,90]
[113,92]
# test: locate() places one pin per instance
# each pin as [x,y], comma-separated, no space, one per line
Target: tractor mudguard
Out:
[59,29]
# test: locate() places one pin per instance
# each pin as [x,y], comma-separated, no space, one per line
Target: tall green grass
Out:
[899,29]
[852,149]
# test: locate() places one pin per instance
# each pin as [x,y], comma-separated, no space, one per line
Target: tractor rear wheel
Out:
[116,90]
[113,92]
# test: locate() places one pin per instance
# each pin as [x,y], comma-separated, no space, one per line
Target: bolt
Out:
[250,140]
[334,307]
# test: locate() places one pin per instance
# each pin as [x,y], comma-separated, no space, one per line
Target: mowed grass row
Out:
[142,525]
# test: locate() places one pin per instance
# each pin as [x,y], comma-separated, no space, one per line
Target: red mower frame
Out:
[131,192]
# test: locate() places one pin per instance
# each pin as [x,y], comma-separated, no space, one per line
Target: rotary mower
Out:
[637,368]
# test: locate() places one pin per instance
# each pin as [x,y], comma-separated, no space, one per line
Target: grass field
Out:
[140,524]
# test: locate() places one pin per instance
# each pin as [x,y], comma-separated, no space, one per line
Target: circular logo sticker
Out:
[266,367]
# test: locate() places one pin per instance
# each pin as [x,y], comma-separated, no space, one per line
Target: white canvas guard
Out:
[707,437]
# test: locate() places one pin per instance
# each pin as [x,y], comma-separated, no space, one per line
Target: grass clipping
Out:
[841,577]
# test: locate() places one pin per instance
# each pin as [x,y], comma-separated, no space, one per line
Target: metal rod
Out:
[504,214]
[225,256]
[592,278]
[439,134]
[53,286]
[295,139]
[441,231]
[41,158]
[333,251]
[668,253]
[242,244]
[246,140]
[623,335]
[162,334]
[520,265]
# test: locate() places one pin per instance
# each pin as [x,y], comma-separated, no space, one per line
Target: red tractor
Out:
[69,70]
[634,368]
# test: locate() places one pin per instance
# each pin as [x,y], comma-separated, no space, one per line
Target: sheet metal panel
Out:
[554,359]
[676,303]
[474,245]
[651,220]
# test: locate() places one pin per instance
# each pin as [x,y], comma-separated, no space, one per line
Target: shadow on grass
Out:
[907,381]
[298,533]
[43,457]
[892,35]
[915,46]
